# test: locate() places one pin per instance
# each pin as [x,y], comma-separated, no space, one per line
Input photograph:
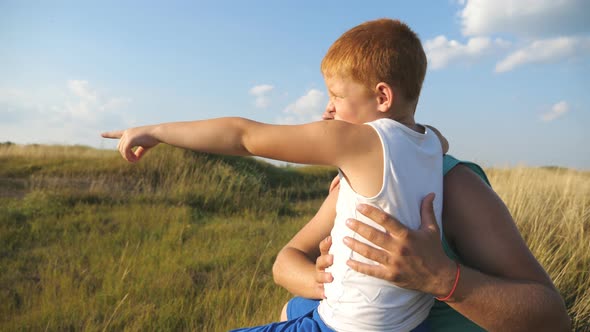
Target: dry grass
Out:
[552,210]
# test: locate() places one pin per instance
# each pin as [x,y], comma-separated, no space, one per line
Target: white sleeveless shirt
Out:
[412,169]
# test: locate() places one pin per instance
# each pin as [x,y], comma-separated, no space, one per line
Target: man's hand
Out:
[412,259]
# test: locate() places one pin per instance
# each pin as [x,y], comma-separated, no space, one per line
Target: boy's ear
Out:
[385,97]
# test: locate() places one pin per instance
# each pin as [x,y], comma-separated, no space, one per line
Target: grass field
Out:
[186,241]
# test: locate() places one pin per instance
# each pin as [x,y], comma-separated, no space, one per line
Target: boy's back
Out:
[412,169]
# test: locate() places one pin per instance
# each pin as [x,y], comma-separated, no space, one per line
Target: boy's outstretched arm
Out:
[324,142]
[206,136]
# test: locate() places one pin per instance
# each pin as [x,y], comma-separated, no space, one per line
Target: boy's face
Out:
[349,101]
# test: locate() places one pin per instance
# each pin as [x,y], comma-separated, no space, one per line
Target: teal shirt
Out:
[443,318]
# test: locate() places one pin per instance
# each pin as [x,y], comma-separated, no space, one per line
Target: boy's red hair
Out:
[383,50]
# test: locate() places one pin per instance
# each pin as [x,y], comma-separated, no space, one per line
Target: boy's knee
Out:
[284,312]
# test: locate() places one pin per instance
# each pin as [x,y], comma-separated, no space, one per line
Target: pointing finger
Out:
[112,134]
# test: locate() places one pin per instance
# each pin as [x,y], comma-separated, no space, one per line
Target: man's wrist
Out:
[450,295]
[446,280]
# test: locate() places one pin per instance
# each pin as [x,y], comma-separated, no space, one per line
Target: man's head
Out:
[380,51]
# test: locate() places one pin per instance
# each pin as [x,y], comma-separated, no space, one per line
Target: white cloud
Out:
[82,90]
[557,110]
[441,51]
[261,93]
[72,114]
[539,18]
[86,104]
[261,89]
[544,30]
[10,94]
[16,106]
[306,108]
[545,51]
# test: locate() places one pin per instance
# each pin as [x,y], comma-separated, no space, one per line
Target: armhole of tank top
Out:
[385,153]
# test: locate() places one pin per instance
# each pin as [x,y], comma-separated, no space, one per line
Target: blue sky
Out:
[507,82]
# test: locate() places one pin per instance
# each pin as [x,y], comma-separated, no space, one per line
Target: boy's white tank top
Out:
[412,169]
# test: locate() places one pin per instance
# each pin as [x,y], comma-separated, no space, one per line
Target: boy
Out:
[374,74]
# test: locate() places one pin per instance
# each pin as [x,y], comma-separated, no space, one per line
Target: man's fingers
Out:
[113,134]
[365,250]
[427,217]
[377,271]
[370,233]
[391,224]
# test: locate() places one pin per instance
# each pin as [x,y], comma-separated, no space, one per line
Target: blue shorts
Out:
[302,315]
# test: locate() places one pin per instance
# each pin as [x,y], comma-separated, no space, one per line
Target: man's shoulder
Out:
[455,170]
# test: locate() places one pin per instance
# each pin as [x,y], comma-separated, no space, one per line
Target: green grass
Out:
[179,241]
[186,241]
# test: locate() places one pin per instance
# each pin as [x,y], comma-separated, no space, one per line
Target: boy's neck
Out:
[405,116]
[410,123]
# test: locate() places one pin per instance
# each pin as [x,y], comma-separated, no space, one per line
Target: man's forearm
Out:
[506,305]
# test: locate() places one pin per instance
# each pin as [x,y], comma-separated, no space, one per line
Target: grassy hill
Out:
[187,241]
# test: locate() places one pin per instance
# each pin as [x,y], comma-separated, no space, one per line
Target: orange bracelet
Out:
[454,285]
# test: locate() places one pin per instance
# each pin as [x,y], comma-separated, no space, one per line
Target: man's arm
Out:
[295,265]
[503,288]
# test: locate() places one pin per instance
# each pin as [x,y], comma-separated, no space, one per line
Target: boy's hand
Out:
[140,138]
[324,261]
